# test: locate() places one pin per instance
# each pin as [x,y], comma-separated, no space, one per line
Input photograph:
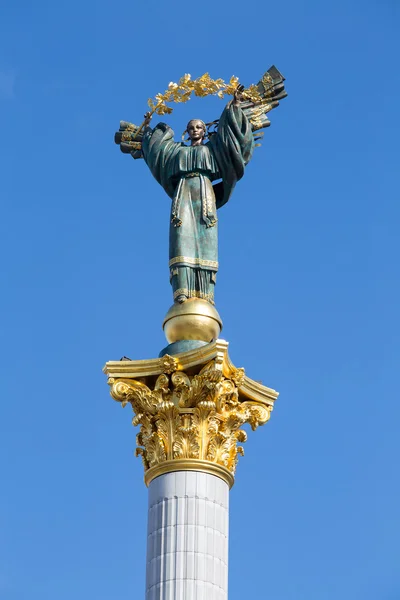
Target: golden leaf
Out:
[185,79]
[155,452]
[186,444]
[167,424]
[205,422]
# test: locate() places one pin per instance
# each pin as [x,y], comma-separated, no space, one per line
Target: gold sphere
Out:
[194,319]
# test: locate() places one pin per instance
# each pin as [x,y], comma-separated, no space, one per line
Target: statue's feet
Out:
[181,298]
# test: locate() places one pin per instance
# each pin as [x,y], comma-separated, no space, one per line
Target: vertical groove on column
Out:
[185,558]
[197,556]
[164,519]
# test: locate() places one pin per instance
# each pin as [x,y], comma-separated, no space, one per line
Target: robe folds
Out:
[187,174]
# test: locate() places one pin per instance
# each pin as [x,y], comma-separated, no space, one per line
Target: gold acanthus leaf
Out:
[167,423]
[154,452]
[186,444]
[221,449]
[205,422]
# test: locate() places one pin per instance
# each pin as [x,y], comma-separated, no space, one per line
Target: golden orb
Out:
[194,319]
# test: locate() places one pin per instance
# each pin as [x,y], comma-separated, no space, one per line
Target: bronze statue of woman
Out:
[200,178]
[187,174]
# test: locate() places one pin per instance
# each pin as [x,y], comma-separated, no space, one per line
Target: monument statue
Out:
[200,177]
[191,402]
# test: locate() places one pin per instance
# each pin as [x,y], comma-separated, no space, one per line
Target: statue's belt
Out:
[196,174]
[193,262]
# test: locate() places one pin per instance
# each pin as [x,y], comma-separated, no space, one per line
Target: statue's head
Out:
[196,129]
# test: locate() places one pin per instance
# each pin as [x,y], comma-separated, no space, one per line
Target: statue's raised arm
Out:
[233,146]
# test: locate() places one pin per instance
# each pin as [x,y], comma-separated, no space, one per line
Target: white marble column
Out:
[187,537]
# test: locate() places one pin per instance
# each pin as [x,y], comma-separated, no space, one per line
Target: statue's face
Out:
[196,130]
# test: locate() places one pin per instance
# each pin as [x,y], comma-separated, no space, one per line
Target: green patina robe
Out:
[186,173]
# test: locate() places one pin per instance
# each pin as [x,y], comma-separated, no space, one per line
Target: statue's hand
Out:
[238,95]
[147,118]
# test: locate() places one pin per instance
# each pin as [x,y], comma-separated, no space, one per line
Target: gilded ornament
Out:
[195,319]
[202,86]
[186,416]
[169,363]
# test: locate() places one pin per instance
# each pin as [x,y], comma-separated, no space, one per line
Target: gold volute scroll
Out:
[190,415]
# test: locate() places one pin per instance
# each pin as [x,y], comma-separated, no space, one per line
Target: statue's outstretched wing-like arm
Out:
[239,127]
[271,89]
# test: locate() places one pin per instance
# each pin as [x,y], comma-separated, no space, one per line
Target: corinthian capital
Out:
[191,409]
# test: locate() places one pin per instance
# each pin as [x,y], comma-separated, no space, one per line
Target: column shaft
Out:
[187,543]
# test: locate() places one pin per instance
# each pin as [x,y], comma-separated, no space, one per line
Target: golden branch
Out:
[202,86]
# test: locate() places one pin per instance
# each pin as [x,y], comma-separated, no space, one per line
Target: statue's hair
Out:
[202,122]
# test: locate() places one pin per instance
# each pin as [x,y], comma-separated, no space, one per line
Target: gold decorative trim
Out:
[194,174]
[193,261]
[182,464]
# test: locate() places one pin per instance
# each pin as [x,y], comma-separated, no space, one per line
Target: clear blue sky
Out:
[308,289]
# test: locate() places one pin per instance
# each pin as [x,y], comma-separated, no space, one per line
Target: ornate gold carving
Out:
[190,417]
[169,364]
